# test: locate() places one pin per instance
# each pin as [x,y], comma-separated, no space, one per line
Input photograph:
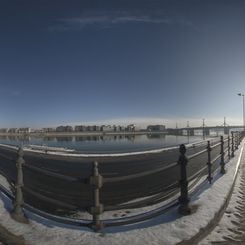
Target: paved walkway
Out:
[231,228]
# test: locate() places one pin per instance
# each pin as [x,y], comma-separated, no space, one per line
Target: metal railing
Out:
[44,188]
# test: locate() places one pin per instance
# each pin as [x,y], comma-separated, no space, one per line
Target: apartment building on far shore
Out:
[107,128]
[64,129]
[25,130]
[48,130]
[80,128]
[4,130]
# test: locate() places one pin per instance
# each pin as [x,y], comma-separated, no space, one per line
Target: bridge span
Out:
[205,130]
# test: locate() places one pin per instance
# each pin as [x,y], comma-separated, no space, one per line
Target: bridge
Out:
[191,131]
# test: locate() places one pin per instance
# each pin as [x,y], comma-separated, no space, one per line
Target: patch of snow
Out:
[226,226]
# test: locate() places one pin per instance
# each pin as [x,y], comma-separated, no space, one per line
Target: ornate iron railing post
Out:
[96,180]
[236,140]
[222,155]
[184,208]
[232,144]
[209,149]
[17,213]
[240,137]
[229,147]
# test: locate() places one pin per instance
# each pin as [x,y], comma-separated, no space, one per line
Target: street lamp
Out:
[203,130]
[240,94]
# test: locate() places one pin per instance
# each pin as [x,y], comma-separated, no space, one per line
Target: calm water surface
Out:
[104,144]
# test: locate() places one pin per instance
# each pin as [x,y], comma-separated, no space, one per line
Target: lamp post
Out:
[203,128]
[241,94]
[188,131]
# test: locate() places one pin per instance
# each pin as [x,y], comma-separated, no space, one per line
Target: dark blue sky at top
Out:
[82,61]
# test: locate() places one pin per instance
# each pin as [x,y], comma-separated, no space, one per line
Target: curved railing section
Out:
[54,185]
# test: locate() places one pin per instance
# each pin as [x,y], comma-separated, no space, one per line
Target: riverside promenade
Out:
[208,206]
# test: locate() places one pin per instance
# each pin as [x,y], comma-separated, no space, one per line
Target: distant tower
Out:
[203,128]
[224,122]
[226,127]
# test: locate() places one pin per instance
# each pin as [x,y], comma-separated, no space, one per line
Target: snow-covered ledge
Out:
[170,228]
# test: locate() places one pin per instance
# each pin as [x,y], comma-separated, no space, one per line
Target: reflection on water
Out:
[156,136]
[103,143]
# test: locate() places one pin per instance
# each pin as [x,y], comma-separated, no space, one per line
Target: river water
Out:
[106,143]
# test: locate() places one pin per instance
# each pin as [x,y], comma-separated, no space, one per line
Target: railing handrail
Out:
[97,181]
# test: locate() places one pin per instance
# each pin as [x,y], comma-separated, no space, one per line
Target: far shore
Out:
[87,133]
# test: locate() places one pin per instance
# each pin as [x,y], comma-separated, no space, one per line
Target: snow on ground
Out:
[167,229]
[231,219]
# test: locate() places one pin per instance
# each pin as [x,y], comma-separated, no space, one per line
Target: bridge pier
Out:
[191,132]
[226,130]
[175,131]
[206,132]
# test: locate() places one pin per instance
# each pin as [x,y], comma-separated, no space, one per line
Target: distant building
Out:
[24,130]
[96,128]
[106,128]
[116,128]
[64,129]
[48,130]
[3,130]
[156,128]
[37,131]
[80,128]
[131,128]
[89,128]
[122,128]
[13,130]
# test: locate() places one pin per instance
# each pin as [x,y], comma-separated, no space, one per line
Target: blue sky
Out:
[121,61]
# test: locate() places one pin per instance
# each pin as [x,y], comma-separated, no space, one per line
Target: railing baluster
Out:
[232,144]
[184,208]
[209,149]
[17,213]
[229,147]
[222,155]
[96,180]
[236,140]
